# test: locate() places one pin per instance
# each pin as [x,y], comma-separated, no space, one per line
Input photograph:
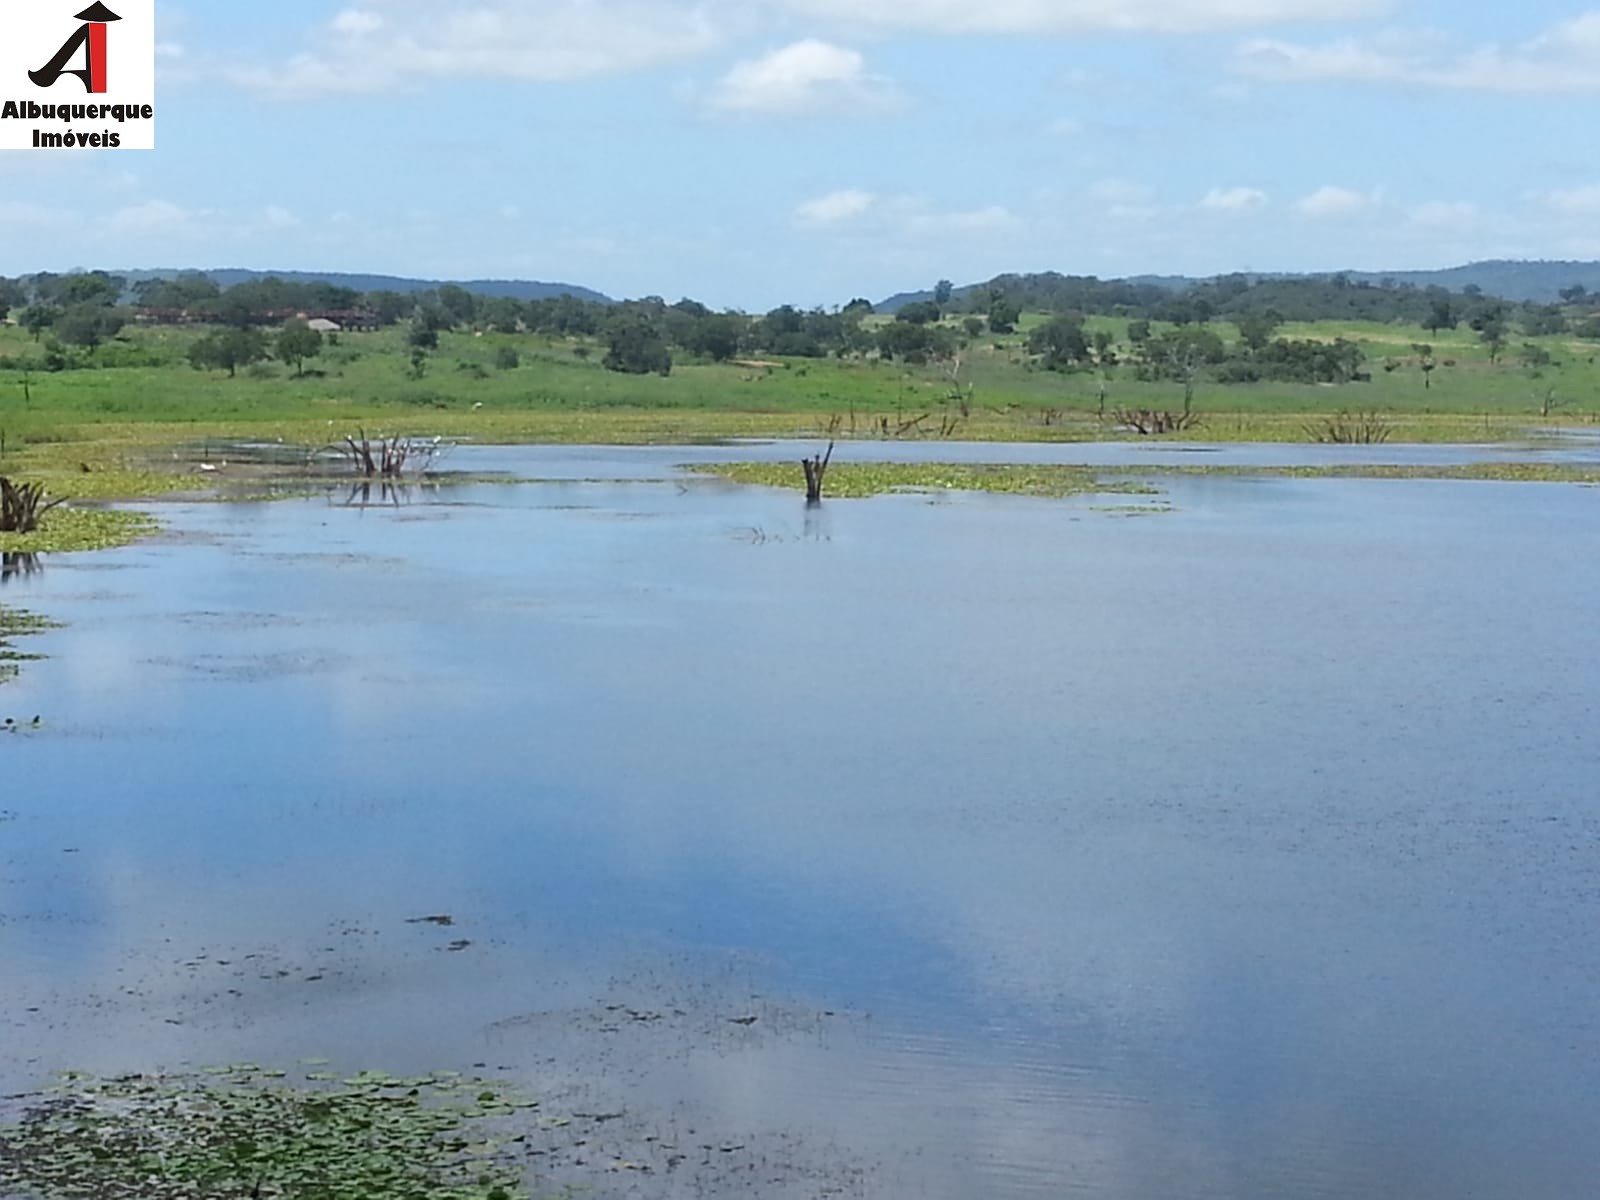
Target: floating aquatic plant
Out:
[66,530]
[248,1132]
[16,623]
[857,480]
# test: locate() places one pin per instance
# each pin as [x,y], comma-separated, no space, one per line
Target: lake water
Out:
[1247,850]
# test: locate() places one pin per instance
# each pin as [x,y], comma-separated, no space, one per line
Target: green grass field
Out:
[137,419]
[144,391]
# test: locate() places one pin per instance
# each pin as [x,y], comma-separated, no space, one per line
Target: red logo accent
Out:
[92,33]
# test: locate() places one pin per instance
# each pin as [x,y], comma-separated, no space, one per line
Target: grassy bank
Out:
[132,419]
[558,391]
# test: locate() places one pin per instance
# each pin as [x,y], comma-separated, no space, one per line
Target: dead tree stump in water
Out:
[815,469]
[22,505]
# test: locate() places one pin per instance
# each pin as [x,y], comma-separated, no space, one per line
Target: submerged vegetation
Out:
[66,530]
[245,1132]
[13,624]
[861,480]
[849,481]
[1491,472]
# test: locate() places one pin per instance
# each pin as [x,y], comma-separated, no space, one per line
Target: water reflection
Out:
[15,566]
[818,523]
[378,494]
[1185,857]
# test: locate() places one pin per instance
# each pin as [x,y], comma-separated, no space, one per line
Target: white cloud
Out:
[1578,201]
[1331,202]
[1124,200]
[496,39]
[805,77]
[909,218]
[357,22]
[1121,192]
[1447,216]
[978,220]
[150,215]
[1080,16]
[279,218]
[1233,199]
[383,44]
[835,207]
[1563,59]
[21,215]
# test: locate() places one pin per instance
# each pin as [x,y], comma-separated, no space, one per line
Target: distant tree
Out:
[1003,315]
[1256,329]
[422,336]
[1491,329]
[1185,310]
[36,318]
[1573,294]
[1535,356]
[1105,353]
[973,326]
[90,287]
[297,342]
[919,312]
[859,307]
[637,348]
[507,358]
[12,296]
[942,291]
[228,350]
[1544,320]
[1060,341]
[239,308]
[1441,315]
[460,304]
[433,317]
[187,290]
[912,343]
[716,337]
[501,313]
[1424,353]
[1139,332]
[388,307]
[88,325]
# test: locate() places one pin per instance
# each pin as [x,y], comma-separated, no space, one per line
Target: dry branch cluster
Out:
[387,457]
[22,505]
[1353,429]
[1150,421]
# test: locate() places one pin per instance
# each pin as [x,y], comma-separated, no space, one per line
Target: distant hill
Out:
[517,289]
[1538,281]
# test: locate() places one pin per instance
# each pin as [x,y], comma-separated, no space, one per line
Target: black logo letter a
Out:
[93,34]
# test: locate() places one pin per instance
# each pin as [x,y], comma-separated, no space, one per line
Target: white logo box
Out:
[117,55]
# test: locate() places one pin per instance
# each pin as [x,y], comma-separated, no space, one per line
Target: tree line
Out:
[87,309]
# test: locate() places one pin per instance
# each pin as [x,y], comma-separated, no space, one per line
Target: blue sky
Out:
[765,151]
